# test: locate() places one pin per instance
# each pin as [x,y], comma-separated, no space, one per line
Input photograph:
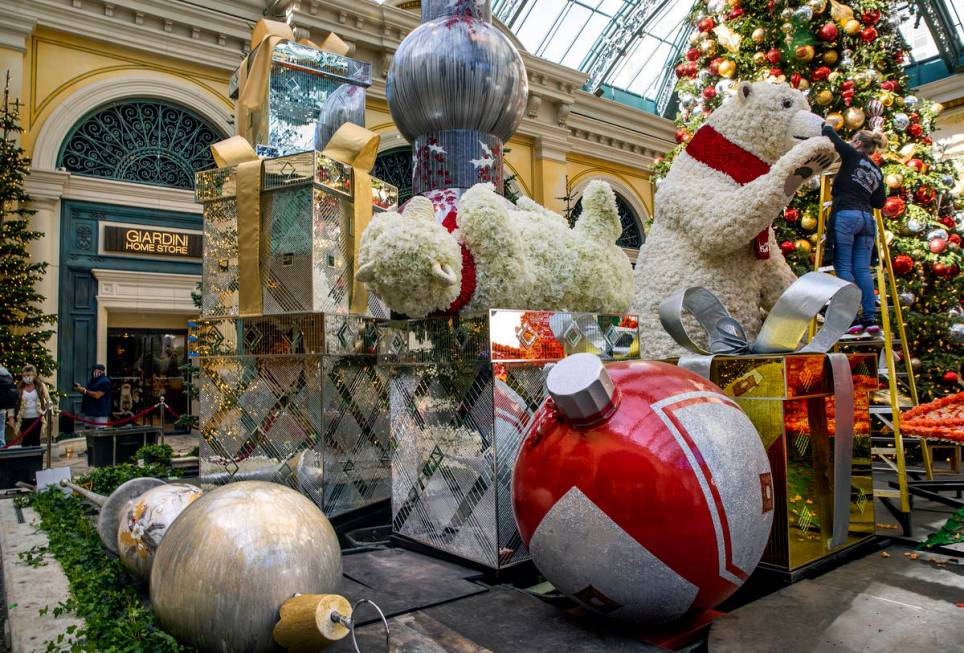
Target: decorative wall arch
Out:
[141,84]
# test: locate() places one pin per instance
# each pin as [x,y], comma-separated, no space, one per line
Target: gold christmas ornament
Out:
[835,120]
[830,57]
[808,222]
[851,27]
[854,117]
[937,107]
[834,76]
[759,35]
[894,181]
[804,52]
[803,84]
[727,68]
[759,58]
[824,98]
[863,78]
[803,245]
[787,28]
[817,5]
[840,12]
[729,39]
[886,98]
[812,238]
[697,37]
[907,152]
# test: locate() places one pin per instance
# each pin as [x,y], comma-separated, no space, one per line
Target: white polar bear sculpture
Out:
[714,209]
[501,255]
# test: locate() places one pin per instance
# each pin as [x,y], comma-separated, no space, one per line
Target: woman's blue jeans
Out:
[854,235]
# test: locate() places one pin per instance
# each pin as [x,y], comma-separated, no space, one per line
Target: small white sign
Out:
[48,477]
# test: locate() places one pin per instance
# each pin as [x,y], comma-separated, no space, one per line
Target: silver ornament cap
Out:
[582,389]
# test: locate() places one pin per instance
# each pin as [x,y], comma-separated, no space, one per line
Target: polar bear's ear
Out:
[419,208]
[743,91]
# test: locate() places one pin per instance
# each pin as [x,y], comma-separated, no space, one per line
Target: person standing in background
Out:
[96,401]
[34,404]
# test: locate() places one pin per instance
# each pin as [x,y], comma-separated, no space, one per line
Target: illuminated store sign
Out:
[151,242]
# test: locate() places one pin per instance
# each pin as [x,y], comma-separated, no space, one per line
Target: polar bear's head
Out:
[766,119]
[411,261]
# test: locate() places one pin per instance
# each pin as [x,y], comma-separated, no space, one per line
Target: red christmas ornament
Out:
[954,239]
[706,24]
[610,436]
[828,32]
[893,207]
[693,54]
[926,140]
[795,80]
[889,85]
[771,5]
[775,72]
[939,269]
[899,56]
[868,34]
[820,74]
[682,135]
[903,264]
[937,245]
[953,271]
[736,13]
[709,92]
[791,215]
[714,66]
[925,194]
[870,17]
[847,84]
[680,70]
[948,222]
[950,378]
[914,117]
[787,247]
[773,56]
[914,130]
[916,164]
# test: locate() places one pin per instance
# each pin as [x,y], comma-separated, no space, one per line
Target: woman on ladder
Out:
[858,189]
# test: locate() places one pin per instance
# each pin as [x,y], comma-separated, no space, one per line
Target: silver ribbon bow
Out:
[782,333]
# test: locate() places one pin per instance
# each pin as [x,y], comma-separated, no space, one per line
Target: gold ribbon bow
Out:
[356,147]
[256,69]
[236,151]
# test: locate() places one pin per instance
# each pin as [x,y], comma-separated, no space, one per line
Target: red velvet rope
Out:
[23,434]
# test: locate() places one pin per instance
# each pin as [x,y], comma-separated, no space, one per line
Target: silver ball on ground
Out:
[145,520]
[233,557]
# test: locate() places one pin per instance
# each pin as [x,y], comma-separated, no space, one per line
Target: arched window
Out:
[633,235]
[395,167]
[144,141]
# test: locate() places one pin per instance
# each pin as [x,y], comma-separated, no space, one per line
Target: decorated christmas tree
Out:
[848,57]
[24,327]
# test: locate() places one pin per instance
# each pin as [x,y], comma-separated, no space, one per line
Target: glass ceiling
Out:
[629,47]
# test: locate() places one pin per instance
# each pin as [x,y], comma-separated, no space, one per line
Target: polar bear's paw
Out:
[806,160]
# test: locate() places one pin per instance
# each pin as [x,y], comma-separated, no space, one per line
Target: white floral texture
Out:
[525,256]
[705,221]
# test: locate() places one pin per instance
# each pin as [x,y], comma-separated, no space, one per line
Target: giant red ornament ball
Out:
[692,54]
[787,247]
[641,490]
[773,56]
[868,34]
[950,378]
[706,24]
[893,207]
[828,32]
[903,264]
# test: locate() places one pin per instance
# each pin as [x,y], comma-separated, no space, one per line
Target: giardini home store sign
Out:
[152,242]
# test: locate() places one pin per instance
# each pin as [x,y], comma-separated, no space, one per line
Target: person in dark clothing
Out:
[851,230]
[96,401]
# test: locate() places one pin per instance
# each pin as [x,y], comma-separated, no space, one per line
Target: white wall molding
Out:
[146,83]
[15,28]
[947,89]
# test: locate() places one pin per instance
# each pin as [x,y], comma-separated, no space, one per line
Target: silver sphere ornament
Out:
[686,101]
[937,233]
[146,519]
[915,226]
[906,298]
[956,332]
[947,180]
[786,13]
[803,13]
[956,314]
[716,6]
[233,557]
[817,5]
[703,76]
[900,120]
[911,102]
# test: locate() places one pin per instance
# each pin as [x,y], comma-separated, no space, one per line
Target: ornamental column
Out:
[457,90]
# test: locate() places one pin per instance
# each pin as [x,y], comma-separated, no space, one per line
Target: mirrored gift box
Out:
[790,400]
[295,399]
[309,94]
[461,392]
[306,214]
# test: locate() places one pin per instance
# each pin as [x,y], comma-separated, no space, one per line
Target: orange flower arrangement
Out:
[941,419]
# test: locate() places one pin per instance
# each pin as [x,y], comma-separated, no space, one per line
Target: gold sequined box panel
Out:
[462,392]
[306,231]
[790,402]
[298,400]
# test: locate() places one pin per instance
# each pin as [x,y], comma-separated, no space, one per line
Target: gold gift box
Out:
[789,398]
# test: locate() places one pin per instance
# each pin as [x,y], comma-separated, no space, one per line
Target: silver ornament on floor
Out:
[233,557]
[144,522]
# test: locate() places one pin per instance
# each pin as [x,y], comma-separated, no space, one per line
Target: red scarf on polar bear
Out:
[711,148]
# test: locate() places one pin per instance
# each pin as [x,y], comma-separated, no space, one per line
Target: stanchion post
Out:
[163,406]
[50,440]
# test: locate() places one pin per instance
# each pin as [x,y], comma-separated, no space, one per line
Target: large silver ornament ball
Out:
[233,557]
[145,520]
